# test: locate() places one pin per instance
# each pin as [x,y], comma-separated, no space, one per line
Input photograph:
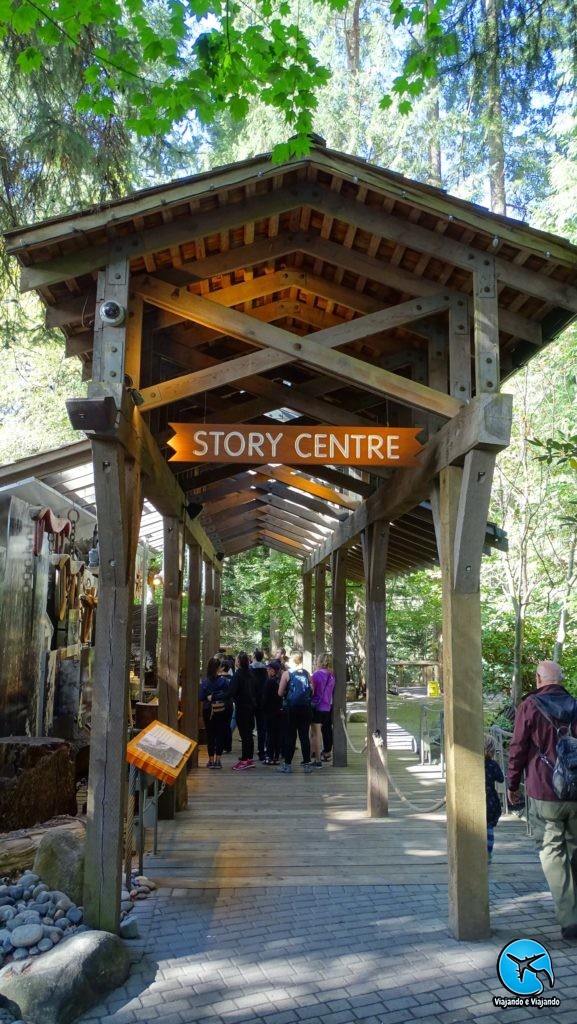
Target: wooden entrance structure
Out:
[332,292]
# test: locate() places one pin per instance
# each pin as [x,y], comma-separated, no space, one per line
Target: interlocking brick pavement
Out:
[333,954]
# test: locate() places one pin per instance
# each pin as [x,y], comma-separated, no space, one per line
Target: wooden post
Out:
[208,617]
[190,702]
[174,797]
[169,659]
[459,349]
[308,620]
[339,595]
[320,610]
[217,610]
[375,550]
[117,483]
[486,306]
[462,675]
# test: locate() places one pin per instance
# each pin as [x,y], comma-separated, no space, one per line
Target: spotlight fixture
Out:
[132,391]
[219,555]
[194,509]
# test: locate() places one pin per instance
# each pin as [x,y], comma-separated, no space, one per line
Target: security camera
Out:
[112,313]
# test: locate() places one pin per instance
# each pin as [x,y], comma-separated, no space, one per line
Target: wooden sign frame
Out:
[160,750]
[295,446]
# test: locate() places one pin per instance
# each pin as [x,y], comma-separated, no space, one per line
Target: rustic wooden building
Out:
[345,295]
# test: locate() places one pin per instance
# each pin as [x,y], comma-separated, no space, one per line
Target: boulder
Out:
[59,862]
[37,780]
[63,983]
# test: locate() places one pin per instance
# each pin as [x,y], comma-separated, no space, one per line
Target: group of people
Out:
[542,717]
[276,700]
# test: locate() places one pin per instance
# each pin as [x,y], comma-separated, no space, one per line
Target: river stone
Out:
[29,878]
[59,986]
[24,917]
[27,935]
[59,861]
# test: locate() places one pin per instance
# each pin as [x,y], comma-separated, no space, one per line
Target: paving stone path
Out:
[335,954]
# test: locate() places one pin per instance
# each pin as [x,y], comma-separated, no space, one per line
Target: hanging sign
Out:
[295,446]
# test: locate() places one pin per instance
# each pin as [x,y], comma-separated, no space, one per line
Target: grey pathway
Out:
[334,953]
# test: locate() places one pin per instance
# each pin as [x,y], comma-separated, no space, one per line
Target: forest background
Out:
[473,96]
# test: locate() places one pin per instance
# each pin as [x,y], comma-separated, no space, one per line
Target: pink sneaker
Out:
[246,764]
[239,764]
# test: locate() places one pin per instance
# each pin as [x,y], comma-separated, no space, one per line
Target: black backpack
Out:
[299,691]
[565,767]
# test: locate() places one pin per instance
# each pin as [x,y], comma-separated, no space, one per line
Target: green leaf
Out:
[239,107]
[30,59]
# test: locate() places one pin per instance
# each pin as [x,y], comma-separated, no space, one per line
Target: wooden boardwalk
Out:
[261,828]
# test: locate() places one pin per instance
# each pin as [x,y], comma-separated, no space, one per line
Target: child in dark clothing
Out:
[493,774]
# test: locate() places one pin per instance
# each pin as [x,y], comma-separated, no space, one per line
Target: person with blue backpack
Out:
[296,690]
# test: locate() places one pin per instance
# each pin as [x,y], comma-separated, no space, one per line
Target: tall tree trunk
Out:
[433,124]
[569,582]
[353,37]
[495,141]
[517,679]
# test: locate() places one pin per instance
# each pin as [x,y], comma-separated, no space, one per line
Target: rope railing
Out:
[380,746]
[349,740]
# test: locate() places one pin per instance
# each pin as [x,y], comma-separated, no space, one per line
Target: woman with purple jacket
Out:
[323,683]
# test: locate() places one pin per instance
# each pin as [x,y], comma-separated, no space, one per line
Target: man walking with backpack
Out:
[296,690]
[537,748]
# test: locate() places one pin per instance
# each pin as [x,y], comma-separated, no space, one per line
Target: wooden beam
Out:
[462,679]
[486,308]
[292,517]
[485,423]
[459,350]
[168,665]
[339,624]
[308,621]
[110,341]
[303,500]
[293,510]
[320,609]
[190,703]
[276,545]
[163,236]
[160,485]
[288,527]
[301,399]
[242,544]
[375,541]
[233,500]
[410,284]
[266,532]
[281,347]
[471,523]
[208,614]
[47,463]
[413,236]
[302,483]
[117,483]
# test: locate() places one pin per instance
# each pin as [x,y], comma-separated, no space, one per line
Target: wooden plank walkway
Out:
[261,828]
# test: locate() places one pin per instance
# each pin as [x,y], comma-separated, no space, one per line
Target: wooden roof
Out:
[365,267]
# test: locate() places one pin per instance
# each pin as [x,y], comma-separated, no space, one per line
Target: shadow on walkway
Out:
[279,901]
